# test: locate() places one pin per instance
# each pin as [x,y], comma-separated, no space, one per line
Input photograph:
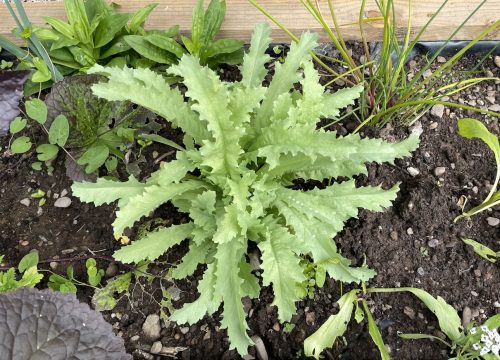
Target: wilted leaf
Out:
[11,91]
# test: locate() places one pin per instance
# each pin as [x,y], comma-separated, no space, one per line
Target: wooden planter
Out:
[242,17]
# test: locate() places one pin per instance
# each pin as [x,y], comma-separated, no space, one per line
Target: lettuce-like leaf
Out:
[244,143]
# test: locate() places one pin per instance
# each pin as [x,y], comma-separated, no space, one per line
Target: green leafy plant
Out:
[470,129]
[69,283]
[205,26]
[36,57]
[28,267]
[482,250]
[470,343]
[389,95]
[244,145]
[336,325]
[96,33]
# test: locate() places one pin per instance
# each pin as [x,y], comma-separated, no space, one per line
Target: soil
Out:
[413,244]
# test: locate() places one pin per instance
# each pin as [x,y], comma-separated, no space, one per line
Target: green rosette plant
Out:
[244,144]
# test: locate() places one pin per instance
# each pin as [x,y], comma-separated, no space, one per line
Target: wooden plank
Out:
[243,16]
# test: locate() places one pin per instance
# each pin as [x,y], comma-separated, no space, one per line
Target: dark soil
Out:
[413,244]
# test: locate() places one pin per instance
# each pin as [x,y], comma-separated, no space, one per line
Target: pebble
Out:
[433,125]
[421,271]
[437,111]
[310,318]
[409,312]
[276,327]
[156,347]
[439,171]
[427,73]
[62,202]
[492,221]
[433,243]
[184,330]
[409,231]
[473,293]
[111,270]
[151,327]
[496,60]
[394,235]
[495,108]
[441,59]
[134,338]
[24,243]
[466,316]
[64,192]
[413,171]
[25,202]
[53,265]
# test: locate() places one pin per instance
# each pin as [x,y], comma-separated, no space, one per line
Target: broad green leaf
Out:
[117,46]
[77,17]
[108,27]
[42,73]
[20,145]
[61,26]
[31,277]
[140,17]
[482,250]
[150,51]
[47,152]
[28,261]
[106,191]
[37,110]
[281,269]
[17,125]
[94,157]
[223,46]
[375,333]
[154,244]
[59,131]
[197,26]
[335,326]
[214,16]
[166,43]
[253,70]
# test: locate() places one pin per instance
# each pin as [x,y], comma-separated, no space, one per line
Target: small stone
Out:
[53,265]
[433,125]
[155,154]
[439,171]
[466,316]
[62,202]
[151,327]
[437,111]
[413,171]
[39,211]
[492,221]
[427,73]
[64,192]
[276,327]
[441,59]
[433,243]
[394,235]
[25,202]
[310,318]
[175,293]
[260,348]
[156,347]
[495,108]
[421,271]
[496,304]
[473,293]
[184,330]
[496,60]
[67,251]
[134,338]
[409,231]
[207,335]
[111,270]
[477,273]
[409,312]
[24,243]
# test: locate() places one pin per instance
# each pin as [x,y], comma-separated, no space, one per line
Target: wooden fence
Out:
[242,16]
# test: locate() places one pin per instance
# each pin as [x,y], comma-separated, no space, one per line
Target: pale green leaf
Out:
[153,244]
[375,333]
[59,131]
[37,110]
[281,269]
[482,250]
[196,255]
[17,125]
[253,70]
[21,145]
[335,326]
[106,191]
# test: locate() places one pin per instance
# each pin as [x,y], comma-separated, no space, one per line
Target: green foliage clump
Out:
[28,267]
[244,145]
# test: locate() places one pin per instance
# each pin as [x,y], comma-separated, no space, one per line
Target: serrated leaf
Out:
[106,191]
[59,131]
[195,256]
[154,244]
[207,303]
[281,269]
[253,70]
[20,145]
[335,326]
[37,110]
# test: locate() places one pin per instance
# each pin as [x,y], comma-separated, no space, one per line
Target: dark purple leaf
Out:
[48,325]
[11,91]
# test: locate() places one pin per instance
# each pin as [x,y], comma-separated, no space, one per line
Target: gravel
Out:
[151,327]
[62,202]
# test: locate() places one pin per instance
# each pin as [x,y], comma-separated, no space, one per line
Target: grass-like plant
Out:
[388,93]
[244,144]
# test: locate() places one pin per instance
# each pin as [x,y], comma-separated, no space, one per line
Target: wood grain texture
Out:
[242,17]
